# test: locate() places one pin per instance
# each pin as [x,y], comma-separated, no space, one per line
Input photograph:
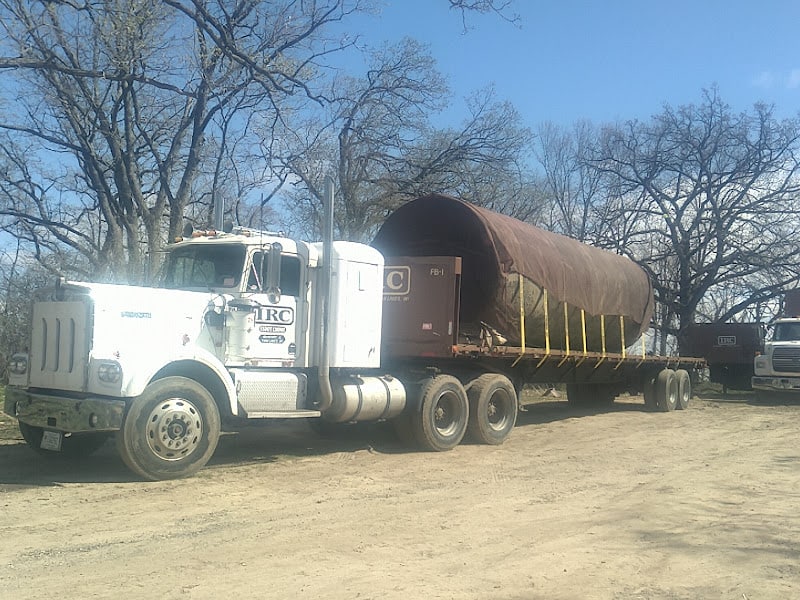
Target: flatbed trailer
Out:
[424,332]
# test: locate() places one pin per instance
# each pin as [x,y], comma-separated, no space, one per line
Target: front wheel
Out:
[170,431]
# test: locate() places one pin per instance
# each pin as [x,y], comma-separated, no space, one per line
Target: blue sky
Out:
[607,60]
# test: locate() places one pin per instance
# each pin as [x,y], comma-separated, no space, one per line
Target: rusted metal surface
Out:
[515,273]
[728,348]
[730,343]
[420,305]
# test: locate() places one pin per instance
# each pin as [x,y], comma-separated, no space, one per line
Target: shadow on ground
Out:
[20,466]
[269,442]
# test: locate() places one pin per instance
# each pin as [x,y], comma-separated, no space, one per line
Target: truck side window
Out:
[290,274]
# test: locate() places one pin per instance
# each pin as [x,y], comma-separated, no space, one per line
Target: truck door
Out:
[272,340]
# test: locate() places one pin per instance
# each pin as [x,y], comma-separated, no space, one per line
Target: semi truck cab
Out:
[243,325]
[777,370]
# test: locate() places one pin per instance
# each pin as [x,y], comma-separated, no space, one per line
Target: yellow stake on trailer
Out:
[583,336]
[644,352]
[521,321]
[546,329]
[602,340]
[566,334]
[622,340]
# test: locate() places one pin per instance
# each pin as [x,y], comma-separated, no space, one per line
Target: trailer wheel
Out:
[684,389]
[492,409]
[443,413]
[170,431]
[666,390]
[74,445]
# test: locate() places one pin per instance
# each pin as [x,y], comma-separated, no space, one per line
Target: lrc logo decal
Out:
[396,281]
[276,315]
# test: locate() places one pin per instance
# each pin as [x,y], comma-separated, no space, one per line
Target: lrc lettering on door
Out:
[276,315]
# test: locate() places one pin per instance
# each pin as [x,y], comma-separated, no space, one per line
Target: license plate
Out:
[51,440]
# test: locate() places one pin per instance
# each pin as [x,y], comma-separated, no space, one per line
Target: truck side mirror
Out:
[274,272]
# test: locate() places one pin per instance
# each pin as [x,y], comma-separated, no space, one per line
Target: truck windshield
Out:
[204,267]
[787,332]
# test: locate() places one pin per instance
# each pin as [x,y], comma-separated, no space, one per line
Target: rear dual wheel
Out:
[439,421]
[684,389]
[666,390]
[493,406]
[673,390]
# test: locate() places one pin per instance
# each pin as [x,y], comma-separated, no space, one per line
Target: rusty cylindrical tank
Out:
[508,264]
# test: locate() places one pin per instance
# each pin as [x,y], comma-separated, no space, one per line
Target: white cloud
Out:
[770,79]
[793,80]
[765,79]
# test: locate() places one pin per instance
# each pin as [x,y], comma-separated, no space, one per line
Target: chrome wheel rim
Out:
[174,429]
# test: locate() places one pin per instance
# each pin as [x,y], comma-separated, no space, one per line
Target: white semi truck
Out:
[438,333]
[776,372]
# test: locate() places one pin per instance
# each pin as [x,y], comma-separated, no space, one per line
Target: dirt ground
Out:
[619,504]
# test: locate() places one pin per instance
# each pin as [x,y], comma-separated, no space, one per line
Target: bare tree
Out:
[706,200]
[502,8]
[572,185]
[119,101]
[378,140]
[19,277]
[484,161]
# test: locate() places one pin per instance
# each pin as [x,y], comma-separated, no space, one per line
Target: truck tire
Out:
[170,431]
[492,409]
[74,445]
[684,389]
[443,414]
[666,390]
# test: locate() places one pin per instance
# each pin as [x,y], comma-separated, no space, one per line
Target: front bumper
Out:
[776,384]
[58,413]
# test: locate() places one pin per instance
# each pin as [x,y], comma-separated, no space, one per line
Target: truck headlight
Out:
[109,372]
[18,365]
[761,362]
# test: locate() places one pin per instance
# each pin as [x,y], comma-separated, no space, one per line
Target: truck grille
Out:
[786,360]
[59,345]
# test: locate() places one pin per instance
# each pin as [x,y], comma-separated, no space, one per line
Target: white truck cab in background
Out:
[777,370]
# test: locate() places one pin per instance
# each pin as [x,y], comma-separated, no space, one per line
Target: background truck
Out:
[436,327]
[729,349]
[777,370]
